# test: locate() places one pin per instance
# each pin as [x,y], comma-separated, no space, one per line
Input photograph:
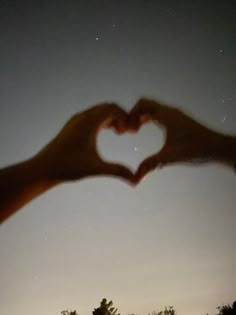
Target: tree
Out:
[69,312]
[227,309]
[167,311]
[105,308]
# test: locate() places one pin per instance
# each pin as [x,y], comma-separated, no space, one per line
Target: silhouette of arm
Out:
[186,140]
[225,150]
[71,155]
[21,183]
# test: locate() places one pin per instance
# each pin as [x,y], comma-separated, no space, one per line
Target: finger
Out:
[110,115]
[119,124]
[107,115]
[144,111]
[150,164]
[117,170]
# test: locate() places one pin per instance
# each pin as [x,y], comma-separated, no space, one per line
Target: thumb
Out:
[117,170]
[150,164]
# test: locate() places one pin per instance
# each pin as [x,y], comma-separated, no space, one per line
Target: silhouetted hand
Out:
[186,140]
[73,155]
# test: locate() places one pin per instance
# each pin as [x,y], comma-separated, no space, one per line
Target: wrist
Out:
[40,171]
[20,183]
[225,150]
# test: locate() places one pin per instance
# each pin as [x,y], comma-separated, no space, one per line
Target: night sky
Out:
[171,240]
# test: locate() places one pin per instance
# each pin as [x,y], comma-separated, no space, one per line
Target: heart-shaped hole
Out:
[130,148]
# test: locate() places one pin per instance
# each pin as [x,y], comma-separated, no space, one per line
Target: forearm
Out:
[225,150]
[21,183]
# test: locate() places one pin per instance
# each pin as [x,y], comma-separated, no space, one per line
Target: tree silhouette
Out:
[167,311]
[105,308]
[227,309]
[69,312]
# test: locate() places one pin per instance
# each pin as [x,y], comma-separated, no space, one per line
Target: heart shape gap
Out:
[130,148]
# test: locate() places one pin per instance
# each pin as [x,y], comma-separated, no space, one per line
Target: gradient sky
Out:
[171,240]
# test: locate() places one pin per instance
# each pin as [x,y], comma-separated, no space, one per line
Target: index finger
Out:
[110,115]
[144,111]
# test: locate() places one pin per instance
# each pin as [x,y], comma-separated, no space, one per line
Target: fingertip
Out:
[131,181]
[120,126]
[120,171]
[125,173]
[109,114]
[147,166]
[134,123]
[138,178]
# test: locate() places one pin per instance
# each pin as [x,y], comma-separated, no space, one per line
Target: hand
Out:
[73,154]
[186,140]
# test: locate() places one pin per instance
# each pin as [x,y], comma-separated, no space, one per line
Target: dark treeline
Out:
[107,308]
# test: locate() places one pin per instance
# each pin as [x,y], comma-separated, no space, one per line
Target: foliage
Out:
[167,311]
[69,312]
[227,309]
[105,308]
